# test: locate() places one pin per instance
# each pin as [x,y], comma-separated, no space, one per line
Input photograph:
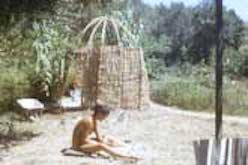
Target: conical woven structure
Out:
[113,75]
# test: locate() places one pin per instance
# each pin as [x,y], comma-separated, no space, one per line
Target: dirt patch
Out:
[162,135]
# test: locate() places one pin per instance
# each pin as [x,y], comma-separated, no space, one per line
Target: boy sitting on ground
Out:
[81,140]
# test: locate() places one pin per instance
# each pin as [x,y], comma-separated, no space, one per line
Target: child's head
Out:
[101,112]
[74,84]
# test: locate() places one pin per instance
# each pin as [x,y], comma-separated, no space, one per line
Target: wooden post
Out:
[232,151]
[219,79]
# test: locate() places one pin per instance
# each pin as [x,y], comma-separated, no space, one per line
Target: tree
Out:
[191,31]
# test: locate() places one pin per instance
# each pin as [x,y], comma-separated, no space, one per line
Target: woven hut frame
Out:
[112,75]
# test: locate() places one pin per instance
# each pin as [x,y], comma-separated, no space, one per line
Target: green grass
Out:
[196,92]
[183,93]
[236,98]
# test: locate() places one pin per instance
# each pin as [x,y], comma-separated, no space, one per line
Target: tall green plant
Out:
[50,47]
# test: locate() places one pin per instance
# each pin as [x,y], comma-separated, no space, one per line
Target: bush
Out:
[184,92]
[235,98]
[13,85]
[244,66]
[195,90]
[50,48]
[236,62]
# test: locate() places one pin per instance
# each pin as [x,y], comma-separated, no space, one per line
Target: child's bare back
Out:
[82,132]
[82,141]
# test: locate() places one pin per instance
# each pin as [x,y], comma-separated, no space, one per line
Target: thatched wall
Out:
[115,76]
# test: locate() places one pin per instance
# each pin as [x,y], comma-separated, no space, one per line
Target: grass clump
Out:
[13,85]
[194,89]
[185,93]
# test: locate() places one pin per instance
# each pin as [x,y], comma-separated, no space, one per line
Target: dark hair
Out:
[102,109]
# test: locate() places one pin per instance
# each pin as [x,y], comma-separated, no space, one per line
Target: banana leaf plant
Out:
[52,60]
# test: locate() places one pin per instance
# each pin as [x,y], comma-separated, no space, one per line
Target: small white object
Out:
[30,103]
[69,102]
[75,95]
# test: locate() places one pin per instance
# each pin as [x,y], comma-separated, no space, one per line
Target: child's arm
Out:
[98,137]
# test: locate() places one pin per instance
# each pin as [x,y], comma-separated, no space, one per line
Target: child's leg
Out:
[112,141]
[93,147]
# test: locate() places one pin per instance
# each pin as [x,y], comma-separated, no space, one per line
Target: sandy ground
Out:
[163,136]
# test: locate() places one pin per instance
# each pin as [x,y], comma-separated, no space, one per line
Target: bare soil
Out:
[161,135]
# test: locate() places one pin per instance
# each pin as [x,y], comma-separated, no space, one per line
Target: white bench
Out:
[31,107]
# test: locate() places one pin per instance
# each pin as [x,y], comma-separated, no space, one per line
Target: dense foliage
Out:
[191,32]
[178,40]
